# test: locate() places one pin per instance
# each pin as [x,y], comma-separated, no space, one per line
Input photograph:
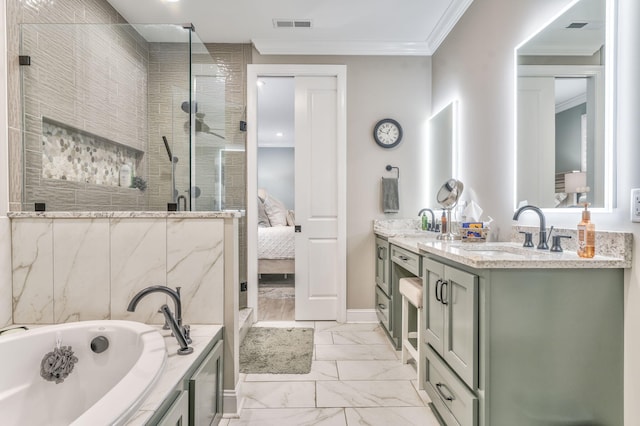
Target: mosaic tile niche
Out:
[73,155]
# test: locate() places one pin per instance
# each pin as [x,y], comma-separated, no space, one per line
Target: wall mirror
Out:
[441,148]
[564,79]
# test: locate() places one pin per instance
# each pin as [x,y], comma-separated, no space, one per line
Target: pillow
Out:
[276,211]
[291,218]
[262,194]
[263,219]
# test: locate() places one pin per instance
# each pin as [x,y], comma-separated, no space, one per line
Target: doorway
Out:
[276,198]
[318,215]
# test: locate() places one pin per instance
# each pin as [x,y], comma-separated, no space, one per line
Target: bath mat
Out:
[267,350]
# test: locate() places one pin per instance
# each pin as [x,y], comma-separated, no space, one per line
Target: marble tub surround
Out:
[608,243]
[508,255]
[175,369]
[5,272]
[82,268]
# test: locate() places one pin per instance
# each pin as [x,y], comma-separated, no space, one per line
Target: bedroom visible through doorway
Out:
[276,198]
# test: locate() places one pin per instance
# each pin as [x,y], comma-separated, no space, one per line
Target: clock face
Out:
[387,133]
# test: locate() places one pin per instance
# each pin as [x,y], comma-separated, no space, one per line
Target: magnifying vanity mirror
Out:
[447,197]
[565,110]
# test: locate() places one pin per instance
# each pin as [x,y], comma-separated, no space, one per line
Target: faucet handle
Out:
[527,239]
[555,247]
[187,333]
[166,324]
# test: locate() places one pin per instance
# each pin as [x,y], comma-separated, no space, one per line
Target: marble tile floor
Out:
[356,378]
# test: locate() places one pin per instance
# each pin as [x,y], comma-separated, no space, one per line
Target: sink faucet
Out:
[433,217]
[542,238]
[175,322]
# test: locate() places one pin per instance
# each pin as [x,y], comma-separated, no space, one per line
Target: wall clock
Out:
[387,133]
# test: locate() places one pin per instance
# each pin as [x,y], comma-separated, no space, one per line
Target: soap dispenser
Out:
[586,235]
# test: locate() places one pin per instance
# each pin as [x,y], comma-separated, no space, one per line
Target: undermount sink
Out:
[485,249]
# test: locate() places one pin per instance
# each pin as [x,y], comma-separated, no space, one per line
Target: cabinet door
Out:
[434,314]
[205,387]
[382,265]
[178,413]
[460,298]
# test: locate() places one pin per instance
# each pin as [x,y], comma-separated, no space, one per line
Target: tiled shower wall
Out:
[101,88]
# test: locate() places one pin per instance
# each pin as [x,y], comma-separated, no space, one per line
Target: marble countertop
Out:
[227,214]
[174,370]
[514,256]
[613,249]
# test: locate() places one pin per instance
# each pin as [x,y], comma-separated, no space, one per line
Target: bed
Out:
[276,250]
[276,236]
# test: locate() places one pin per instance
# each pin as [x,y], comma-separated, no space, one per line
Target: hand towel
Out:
[390,198]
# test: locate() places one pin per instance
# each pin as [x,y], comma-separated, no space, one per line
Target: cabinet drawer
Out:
[408,260]
[455,403]
[383,304]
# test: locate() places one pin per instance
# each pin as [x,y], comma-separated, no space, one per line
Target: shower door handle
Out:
[298,228]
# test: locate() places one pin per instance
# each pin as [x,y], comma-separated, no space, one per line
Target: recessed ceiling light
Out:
[260,83]
[172,1]
[279,134]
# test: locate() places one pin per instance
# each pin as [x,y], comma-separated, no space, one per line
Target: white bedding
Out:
[277,242]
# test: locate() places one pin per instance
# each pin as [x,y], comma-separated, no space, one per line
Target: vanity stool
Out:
[411,291]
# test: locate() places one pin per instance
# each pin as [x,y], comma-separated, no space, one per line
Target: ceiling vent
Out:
[576,25]
[291,23]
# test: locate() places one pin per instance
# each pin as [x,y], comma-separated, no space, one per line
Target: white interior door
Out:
[536,140]
[320,109]
[317,213]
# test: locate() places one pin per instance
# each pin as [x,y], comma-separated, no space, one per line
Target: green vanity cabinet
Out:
[382,264]
[525,347]
[451,298]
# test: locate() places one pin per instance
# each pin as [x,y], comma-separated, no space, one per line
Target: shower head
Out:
[186,107]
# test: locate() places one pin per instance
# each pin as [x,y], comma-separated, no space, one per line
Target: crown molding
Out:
[449,19]
[280,47]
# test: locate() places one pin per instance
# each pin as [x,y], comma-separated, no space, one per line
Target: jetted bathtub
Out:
[102,389]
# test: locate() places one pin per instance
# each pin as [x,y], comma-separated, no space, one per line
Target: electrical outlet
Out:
[635,205]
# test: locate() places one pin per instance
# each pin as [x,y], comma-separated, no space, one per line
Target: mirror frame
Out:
[609,108]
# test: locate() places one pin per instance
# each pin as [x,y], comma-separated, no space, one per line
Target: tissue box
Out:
[473,234]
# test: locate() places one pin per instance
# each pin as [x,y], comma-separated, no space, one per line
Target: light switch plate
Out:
[635,205]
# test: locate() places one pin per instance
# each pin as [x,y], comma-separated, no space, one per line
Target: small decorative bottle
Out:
[443,221]
[586,235]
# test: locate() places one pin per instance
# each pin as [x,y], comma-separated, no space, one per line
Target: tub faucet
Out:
[181,332]
[433,218]
[542,237]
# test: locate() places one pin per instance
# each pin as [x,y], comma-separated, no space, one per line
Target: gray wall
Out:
[569,138]
[475,65]
[377,87]
[276,173]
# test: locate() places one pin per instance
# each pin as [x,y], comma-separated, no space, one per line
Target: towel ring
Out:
[390,167]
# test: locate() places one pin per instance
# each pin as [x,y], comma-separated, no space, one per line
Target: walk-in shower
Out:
[126,117]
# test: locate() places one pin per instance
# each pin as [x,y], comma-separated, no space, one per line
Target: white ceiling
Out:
[352,27]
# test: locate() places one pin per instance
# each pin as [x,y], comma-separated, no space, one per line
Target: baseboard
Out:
[361,315]
[232,403]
